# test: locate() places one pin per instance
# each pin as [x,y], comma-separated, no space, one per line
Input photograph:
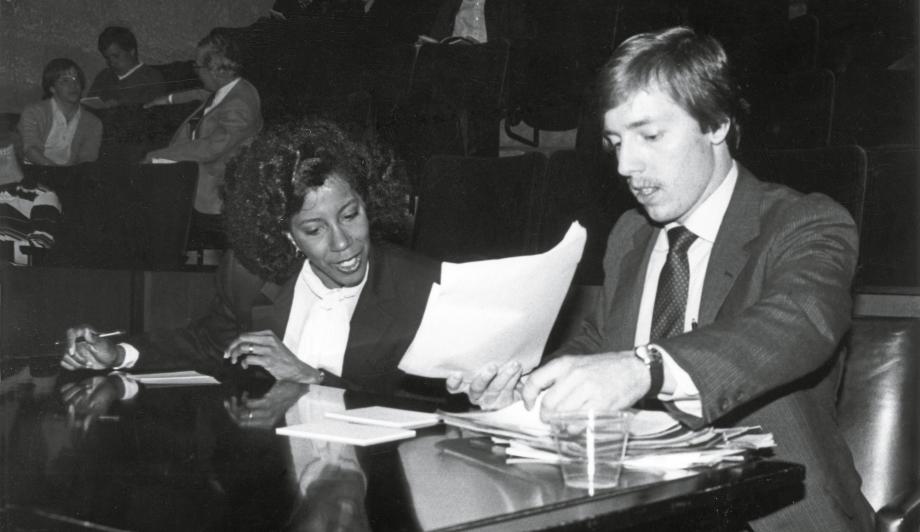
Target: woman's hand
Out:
[86,350]
[263,348]
[264,412]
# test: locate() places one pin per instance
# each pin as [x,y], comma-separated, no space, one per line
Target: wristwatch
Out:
[651,357]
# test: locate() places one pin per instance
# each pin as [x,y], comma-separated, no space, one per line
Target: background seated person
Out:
[127,80]
[56,131]
[228,119]
[29,213]
[482,21]
[307,294]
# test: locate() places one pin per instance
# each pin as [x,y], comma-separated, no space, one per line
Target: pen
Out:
[107,334]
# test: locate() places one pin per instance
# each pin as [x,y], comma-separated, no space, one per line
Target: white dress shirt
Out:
[704,222]
[320,321]
[470,21]
[220,95]
[57,144]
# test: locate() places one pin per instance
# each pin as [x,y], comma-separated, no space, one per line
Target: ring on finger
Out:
[249,348]
[250,415]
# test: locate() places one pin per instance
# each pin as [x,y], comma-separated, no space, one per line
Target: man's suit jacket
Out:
[230,125]
[775,304]
[387,315]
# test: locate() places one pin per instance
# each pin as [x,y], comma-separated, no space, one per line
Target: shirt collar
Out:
[330,296]
[132,71]
[58,115]
[705,220]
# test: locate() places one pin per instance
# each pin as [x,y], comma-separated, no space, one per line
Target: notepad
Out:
[387,417]
[174,378]
[344,432]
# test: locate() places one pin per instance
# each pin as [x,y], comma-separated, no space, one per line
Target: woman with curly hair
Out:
[309,293]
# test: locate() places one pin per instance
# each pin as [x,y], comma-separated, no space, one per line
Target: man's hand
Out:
[492,387]
[86,350]
[604,382]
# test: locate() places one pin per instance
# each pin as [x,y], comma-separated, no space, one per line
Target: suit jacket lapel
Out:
[623,317]
[740,225]
[373,316]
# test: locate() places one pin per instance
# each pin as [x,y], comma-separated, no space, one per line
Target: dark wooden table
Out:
[73,455]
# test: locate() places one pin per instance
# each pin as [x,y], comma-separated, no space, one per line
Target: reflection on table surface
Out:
[76,453]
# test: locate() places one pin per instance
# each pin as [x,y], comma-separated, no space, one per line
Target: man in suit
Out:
[724,297]
[481,21]
[228,119]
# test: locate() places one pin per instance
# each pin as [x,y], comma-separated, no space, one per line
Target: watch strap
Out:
[651,357]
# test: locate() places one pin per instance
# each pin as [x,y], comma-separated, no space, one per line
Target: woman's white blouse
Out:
[320,321]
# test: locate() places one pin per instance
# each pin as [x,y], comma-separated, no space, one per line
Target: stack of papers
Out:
[657,441]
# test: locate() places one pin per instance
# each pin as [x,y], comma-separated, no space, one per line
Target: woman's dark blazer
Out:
[385,321]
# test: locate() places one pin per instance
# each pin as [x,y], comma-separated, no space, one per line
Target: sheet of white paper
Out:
[493,311]
[160,160]
[174,378]
[387,417]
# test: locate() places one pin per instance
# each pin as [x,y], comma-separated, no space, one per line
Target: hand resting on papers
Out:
[491,388]
[603,382]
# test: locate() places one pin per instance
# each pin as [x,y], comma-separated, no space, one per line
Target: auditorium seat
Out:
[165,195]
[472,208]
[891,231]
[583,185]
[877,412]
[38,304]
[453,103]
[837,171]
[788,111]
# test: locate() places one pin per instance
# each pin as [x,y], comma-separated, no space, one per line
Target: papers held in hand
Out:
[493,311]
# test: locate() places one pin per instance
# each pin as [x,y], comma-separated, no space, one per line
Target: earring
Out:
[297,252]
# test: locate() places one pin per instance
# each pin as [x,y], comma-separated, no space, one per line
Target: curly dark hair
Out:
[265,184]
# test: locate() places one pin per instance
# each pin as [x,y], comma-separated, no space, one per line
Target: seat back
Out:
[877,408]
[891,233]
[38,304]
[166,195]
[792,111]
[473,208]
[583,185]
[837,171]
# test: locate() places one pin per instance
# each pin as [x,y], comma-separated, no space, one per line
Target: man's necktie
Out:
[195,120]
[673,284]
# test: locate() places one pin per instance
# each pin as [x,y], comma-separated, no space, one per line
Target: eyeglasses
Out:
[67,79]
